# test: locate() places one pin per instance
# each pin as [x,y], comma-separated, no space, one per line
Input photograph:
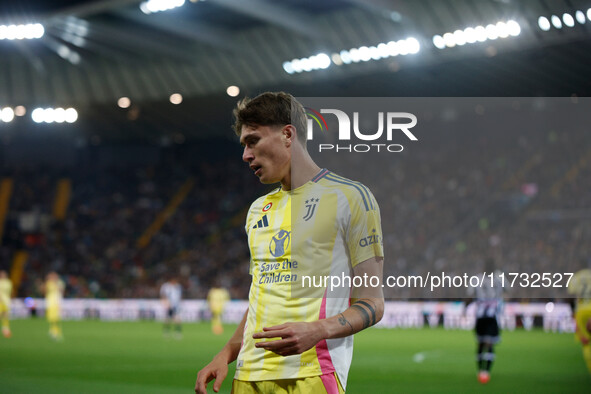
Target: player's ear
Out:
[289,134]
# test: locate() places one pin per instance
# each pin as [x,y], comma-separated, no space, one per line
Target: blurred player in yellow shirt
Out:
[5,295]
[217,299]
[581,286]
[54,289]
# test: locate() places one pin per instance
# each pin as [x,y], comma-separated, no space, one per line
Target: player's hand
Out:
[296,338]
[215,370]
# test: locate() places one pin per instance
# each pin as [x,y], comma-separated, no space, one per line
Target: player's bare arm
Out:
[365,311]
[217,369]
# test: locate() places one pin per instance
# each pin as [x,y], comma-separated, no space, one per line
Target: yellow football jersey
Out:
[5,291]
[325,227]
[53,292]
[580,285]
[217,298]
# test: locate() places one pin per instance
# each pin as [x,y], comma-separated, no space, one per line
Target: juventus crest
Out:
[310,208]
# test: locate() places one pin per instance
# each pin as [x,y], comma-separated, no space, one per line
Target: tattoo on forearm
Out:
[371,309]
[344,321]
[364,315]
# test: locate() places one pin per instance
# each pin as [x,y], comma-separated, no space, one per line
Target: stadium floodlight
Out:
[364,54]
[7,115]
[20,110]
[76,40]
[375,53]
[492,32]
[403,47]
[470,35]
[580,17]
[37,115]
[153,6]
[502,30]
[393,48]
[589,14]
[355,55]
[49,115]
[383,50]
[295,64]
[408,46]
[233,91]
[438,41]
[63,51]
[336,59]
[176,98]
[556,22]
[345,57]
[480,32]
[514,28]
[322,61]
[29,31]
[74,57]
[288,67]
[71,115]
[306,64]
[544,23]
[449,39]
[568,19]
[11,32]
[59,115]
[459,37]
[316,62]
[413,45]
[124,102]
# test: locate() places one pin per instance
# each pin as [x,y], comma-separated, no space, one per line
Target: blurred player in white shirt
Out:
[171,294]
[489,306]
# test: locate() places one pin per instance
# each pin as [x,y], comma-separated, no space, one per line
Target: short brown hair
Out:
[271,109]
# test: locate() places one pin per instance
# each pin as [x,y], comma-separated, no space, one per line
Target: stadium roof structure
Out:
[93,52]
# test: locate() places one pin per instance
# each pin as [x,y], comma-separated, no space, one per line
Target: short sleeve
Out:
[364,233]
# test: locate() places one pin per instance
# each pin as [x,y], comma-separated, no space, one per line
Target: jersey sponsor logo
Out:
[279,243]
[267,207]
[370,240]
[310,208]
[262,223]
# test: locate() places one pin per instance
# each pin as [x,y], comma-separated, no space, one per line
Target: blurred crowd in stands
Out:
[449,202]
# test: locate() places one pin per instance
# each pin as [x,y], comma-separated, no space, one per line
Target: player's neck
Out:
[302,170]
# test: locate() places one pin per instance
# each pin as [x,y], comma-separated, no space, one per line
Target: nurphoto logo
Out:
[389,123]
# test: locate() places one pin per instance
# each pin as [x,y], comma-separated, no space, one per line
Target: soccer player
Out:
[54,290]
[171,293]
[5,296]
[489,306]
[217,297]
[581,286]
[287,343]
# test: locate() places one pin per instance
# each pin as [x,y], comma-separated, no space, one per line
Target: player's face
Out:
[266,152]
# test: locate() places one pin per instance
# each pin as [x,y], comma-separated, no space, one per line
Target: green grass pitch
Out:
[133,357]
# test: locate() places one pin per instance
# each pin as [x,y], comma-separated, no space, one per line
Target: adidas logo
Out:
[262,223]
